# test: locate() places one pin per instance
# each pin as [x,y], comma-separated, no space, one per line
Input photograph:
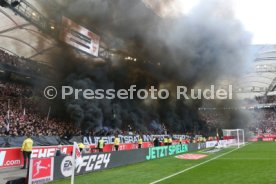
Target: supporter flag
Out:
[23,117]
[77,160]
[7,121]
[8,114]
[7,124]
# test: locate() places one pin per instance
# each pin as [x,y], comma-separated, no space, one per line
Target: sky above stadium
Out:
[257,16]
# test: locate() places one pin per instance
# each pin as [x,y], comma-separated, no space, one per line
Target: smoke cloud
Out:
[194,50]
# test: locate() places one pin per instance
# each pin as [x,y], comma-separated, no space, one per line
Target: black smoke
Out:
[194,50]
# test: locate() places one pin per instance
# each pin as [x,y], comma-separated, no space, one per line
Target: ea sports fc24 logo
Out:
[89,163]
[66,166]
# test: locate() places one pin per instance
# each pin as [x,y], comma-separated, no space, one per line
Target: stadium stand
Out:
[22,113]
[21,65]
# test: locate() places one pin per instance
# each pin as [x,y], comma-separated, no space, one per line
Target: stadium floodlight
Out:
[234,137]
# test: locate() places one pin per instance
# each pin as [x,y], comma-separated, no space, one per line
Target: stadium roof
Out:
[20,37]
[262,79]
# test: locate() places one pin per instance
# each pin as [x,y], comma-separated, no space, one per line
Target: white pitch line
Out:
[167,177]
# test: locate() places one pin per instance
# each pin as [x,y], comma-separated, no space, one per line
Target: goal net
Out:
[234,137]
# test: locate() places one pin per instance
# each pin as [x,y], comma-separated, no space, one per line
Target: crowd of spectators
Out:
[16,121]
[20,114]
[23,64]
[8,89]
[6,58]
[262,119]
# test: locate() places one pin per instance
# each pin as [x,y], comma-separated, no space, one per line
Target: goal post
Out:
[234,137]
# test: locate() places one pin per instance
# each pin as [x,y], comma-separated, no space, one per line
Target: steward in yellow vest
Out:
[116,143]
[101,144]
[26,148]
[81,146]
[166,141]
[140,142]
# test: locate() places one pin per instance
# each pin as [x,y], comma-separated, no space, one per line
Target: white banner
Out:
[210,144]
[222,143]
[79,37]
[128,138]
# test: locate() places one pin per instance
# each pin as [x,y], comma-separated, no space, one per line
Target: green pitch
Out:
[253,164]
